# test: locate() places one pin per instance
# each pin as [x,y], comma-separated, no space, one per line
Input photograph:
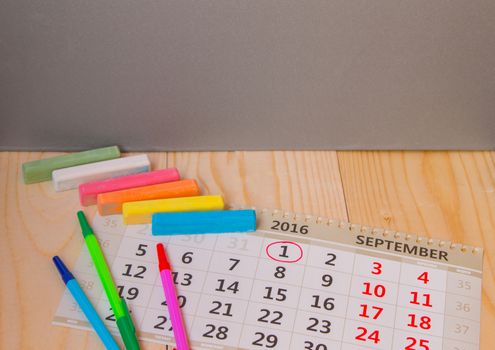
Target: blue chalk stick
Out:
[218,221]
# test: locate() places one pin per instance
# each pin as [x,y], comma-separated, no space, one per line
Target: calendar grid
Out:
[450,336]
[445,305]
[252,285]
[302,315]
[298,301]
[413,331]
[110,260]
[394,329]
[157,277]
[348,298]
[195,316]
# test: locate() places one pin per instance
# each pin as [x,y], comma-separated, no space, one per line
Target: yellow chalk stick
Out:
[140,212]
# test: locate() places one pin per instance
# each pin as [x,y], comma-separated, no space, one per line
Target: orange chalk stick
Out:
[110,203]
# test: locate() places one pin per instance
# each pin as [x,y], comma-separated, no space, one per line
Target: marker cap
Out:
[64,271]
[86,229]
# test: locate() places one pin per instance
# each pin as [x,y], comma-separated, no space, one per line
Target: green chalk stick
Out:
[41,170]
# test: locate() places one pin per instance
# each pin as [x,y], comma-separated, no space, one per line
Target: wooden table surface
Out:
[448,195]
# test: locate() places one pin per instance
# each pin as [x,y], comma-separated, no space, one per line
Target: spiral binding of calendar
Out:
[374,231]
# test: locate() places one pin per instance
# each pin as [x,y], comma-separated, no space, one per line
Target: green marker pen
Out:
[119,307]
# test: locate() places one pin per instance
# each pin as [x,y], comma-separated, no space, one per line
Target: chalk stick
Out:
[70,178]
[110,203]
[140,212]
[88,191]
[41,169]
[196,222]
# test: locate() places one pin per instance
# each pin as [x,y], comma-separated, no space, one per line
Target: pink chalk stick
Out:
[88,191]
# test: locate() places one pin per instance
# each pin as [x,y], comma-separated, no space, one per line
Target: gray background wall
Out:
[247,74]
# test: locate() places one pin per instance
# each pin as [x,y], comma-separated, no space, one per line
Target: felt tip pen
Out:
[85,305]
[119,307]
[178,328]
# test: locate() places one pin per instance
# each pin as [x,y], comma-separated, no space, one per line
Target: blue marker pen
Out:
[85,305]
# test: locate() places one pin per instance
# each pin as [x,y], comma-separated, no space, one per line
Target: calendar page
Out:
[298,282]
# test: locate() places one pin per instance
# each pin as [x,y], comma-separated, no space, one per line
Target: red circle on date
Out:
[285,243]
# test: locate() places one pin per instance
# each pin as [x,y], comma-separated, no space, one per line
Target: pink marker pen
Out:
[171,298]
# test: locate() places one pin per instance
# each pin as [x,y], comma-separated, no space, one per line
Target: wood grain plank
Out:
[38,223]
[448,195]
[295,181]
